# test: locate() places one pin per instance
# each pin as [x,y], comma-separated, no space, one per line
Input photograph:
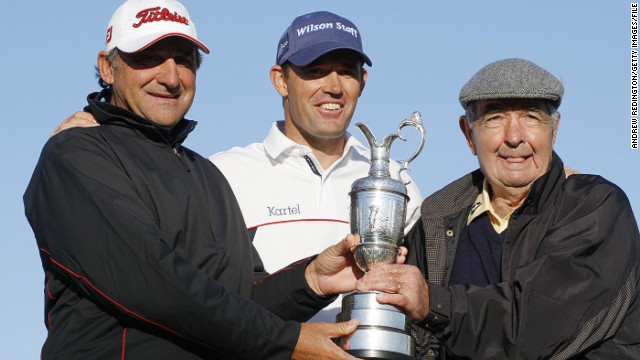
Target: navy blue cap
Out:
[313,35]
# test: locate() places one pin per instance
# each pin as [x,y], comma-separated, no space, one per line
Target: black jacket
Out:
[146,254]
[570,268]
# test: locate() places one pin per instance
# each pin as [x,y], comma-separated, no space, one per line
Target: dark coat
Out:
[570,270]
[146,254]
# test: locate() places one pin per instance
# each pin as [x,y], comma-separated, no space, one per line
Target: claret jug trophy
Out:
[377,215]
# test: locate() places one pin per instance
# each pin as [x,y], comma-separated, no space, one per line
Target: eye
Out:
[348,72]
[532,119]
[492,121]
[315,71]
[186,61]
[148,59]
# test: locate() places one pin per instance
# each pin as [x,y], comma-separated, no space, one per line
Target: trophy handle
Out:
[380,152]
[415,121]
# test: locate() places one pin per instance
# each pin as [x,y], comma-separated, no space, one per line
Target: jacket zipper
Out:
[184,163]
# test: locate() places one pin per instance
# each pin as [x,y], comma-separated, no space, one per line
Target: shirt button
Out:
[449,232]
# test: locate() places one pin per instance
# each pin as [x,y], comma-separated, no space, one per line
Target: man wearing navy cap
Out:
[521,262]
[144,249]
[293,188]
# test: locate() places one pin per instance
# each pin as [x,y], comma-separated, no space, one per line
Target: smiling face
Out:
[320,98]
[513,140]
[157,83]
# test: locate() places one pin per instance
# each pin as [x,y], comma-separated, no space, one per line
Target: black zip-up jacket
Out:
[570,270]
[146,254]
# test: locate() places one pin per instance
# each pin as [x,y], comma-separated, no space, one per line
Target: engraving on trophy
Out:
[378,224]
[378,212]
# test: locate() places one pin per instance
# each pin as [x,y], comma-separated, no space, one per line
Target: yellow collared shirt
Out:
[482,205]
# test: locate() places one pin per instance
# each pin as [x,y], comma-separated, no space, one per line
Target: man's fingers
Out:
[387,278]
[352,240]
[402,255]
[82,115]
[333,330]
[400,285]
[345,246]
[315,341]
[346,328]
[569,171]
[395,299]
[403,251]
[380,282]
[78,119]
[390,270]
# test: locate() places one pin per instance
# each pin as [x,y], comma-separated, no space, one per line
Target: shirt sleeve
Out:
[94,230]
[278,291]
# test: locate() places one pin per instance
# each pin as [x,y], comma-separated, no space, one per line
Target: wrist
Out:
[310,274]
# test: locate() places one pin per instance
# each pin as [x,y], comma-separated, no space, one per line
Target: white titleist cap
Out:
[138,24]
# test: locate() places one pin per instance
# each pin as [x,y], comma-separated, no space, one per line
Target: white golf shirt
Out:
[293,207]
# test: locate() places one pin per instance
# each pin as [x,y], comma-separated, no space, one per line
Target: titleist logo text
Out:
[155,14]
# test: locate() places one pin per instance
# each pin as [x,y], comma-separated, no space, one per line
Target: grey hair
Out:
[114,59]
[551,109]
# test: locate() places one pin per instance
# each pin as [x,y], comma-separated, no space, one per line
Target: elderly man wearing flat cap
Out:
[520,261]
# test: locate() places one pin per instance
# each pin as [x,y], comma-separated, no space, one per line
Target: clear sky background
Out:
[422,51]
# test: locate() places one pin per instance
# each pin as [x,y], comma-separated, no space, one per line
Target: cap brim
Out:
[144,42]
[309,54]
[554,99]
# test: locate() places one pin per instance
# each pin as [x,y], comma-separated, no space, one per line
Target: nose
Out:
[513,132]
[168,75]
[332,84]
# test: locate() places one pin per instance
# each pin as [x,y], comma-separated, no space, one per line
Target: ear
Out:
[105,67]
[468,133]
[363,82]
[278,80]
[555,130]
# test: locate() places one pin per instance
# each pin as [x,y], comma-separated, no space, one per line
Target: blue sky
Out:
[422,52]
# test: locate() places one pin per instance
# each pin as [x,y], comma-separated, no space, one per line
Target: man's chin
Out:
[519,182]
[166,122]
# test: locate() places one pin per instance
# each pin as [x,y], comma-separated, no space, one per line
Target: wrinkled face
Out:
[320,98]
[157,83]
[513,140]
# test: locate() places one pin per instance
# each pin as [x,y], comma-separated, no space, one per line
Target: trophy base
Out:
[379,343]
[384,331]
[378,355]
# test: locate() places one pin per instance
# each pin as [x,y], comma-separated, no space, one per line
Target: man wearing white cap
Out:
[145,252]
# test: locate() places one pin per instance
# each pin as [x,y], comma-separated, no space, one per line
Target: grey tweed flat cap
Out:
[512,79]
